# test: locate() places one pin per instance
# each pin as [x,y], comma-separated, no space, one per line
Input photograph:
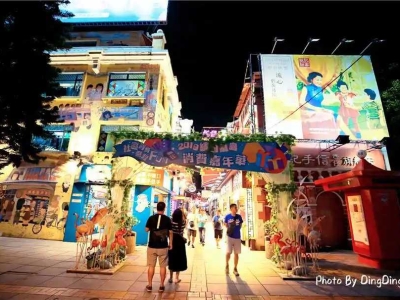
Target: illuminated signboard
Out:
[335,100]
[117,11]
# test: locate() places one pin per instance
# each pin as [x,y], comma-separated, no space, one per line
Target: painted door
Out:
[142,209]
[76,206]
[334,226]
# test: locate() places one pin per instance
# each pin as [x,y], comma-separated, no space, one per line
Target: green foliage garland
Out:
[286,139]
[123,218]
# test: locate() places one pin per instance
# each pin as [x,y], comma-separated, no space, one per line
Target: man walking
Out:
[192,226]
[160,229]
[233,222]
[217,222]
[202,220]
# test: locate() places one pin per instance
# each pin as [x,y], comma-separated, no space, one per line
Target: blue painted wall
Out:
[76,205]
[141,212]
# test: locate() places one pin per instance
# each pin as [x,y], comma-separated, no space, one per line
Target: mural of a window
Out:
[126,85]
[71,84]
[106,141]
[59,141]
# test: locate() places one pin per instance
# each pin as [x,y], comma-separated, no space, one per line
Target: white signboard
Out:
[280,94]
[357,219]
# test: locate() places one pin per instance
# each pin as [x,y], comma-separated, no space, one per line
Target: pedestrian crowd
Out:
[167,243]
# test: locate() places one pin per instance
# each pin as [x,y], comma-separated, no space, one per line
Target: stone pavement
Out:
[36,270]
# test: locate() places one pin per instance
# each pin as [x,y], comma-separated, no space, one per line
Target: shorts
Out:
[218,233]
[234,245]
[161,254]
[192,232]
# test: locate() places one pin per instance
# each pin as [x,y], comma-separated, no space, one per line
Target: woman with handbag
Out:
[177,261]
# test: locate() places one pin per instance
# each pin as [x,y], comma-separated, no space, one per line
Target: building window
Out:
[71,84]
[59,141]
[106,142]
[126,85]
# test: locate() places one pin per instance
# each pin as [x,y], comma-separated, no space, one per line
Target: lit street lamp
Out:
[310,40]
[276,40]
[344,40]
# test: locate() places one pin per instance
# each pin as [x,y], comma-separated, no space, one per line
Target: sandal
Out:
[161,289]
[170,280]
[177,281]
[149,288]
[235,271]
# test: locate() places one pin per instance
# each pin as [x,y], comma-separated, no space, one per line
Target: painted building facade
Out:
[311,162]
[107,87]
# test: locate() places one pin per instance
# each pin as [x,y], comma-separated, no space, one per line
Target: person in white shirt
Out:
[191,226]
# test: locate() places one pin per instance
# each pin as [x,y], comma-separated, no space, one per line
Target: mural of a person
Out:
[18,211]
[97,94]
[347,110]
[67,183]
[89,92]
[372,109]
[106,115]
[52,211]
[86,120]
[314,114]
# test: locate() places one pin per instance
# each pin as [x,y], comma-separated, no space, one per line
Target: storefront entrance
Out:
[334,227]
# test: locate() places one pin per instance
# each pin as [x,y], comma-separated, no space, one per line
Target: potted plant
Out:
[269,230]
[130,235]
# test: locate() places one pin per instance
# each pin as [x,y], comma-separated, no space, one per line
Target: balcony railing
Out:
[110,50]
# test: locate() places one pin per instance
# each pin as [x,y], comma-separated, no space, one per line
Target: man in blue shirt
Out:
[233,222]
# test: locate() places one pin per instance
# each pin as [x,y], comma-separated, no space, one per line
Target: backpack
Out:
[159,236]
[191,224]
[231,227]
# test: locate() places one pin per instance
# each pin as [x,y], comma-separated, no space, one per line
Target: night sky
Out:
[210,42]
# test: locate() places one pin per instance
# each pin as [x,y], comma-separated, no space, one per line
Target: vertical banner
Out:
[280,95]
[249,213]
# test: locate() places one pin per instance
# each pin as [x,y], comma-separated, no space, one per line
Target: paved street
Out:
[36,270]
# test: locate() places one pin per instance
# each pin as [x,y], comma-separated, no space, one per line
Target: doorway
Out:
[335,225]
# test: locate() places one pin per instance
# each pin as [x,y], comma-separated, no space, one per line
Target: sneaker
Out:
[235,272]
[192,246]
[188,243]
[149,288]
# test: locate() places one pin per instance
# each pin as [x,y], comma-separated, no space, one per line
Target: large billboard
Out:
[117,11]
[335,101]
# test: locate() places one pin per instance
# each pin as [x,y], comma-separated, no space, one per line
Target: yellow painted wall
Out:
[87,116]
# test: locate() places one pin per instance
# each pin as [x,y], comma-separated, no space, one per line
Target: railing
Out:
[110,50]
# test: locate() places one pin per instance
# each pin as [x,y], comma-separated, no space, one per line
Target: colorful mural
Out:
[258,157]
[35,201]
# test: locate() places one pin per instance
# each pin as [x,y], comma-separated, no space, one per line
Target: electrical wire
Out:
[321,91]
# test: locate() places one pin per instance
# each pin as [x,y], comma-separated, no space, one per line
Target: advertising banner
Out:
[251,156]
[150,177]
[334,101]
[124,113]
[95,11]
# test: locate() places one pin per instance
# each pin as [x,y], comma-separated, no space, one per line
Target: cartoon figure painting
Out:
[94,94]
[339,95]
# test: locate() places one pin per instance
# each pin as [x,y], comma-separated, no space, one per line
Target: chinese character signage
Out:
[250,156]
[21,174]
[335,100]
[308,156]
[150,177]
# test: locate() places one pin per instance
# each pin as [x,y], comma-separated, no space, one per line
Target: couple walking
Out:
[196,221]
[167,244]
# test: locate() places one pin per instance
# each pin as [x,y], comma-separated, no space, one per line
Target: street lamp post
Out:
[374,41]
[276,40]
[310,40]
[344,40]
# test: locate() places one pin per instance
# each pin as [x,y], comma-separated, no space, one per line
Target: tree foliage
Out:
[28,32]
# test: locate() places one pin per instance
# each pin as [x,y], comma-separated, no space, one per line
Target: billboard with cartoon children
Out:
[338,95]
